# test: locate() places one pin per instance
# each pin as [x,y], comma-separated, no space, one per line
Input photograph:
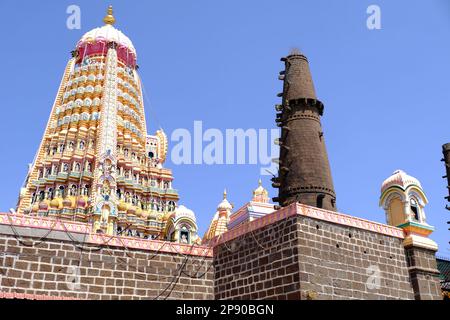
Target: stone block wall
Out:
[261,264]
[38,264]
[341,262]
[300,252]
[424,273]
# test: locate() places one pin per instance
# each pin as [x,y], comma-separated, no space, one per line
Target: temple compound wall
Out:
[48,259]
[301,252]
[297,252]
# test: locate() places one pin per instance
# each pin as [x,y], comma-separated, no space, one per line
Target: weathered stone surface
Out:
[297,257]
[51,267]
[321,260]
[423,273]
[304,174]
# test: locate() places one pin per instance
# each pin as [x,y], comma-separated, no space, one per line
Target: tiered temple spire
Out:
[96,163]
[219,223]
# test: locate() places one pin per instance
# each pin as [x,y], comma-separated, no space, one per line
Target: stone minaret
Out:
[304,170]
[446,159]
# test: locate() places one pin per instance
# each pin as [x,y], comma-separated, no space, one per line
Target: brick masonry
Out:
[423,273]
[261,264]
[297,252]
[47,268]
[300,257]
[304,174]
[338,262]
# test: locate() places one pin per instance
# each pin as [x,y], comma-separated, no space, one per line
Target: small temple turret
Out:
[219,223]
[404,201]
[181,226]
[224,219]
[260,194]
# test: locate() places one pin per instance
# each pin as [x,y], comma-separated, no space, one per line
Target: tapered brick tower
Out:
[304,170]
[446,160]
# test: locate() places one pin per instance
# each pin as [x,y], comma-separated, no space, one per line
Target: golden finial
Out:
[109,18]
[259,187]
[224,194]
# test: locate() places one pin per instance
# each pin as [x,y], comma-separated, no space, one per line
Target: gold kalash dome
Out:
[96,163]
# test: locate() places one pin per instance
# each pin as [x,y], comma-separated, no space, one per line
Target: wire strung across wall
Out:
[76,244]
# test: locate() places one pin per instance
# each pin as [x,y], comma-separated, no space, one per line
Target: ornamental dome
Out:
[224,205]
[400,179]
[260,194]
[68,202]
[35,208]
[55,203]
[131,210]
[96,42]
[107,33]
[82,202]
[43,205]
[123,206]
[260,190]
[183,212]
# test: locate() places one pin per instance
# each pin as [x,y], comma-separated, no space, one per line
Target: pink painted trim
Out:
[43,223]
[316,213]
[256,224]
[100,47]
[152,245]
[27,221]
[27,296]
[344,219]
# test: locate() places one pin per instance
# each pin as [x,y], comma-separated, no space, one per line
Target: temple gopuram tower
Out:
[304,170]
[96,162]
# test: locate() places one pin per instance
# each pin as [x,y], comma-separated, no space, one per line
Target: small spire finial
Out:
[224,194]
[109,18]
[259,182]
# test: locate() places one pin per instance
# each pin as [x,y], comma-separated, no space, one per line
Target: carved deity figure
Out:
[106,190]
[107,167]
[105,214]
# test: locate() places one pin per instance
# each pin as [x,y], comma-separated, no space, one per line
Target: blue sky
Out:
[385,91]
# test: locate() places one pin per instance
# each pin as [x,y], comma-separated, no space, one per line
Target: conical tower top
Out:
[304,173]
[298,82]
[109,18]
